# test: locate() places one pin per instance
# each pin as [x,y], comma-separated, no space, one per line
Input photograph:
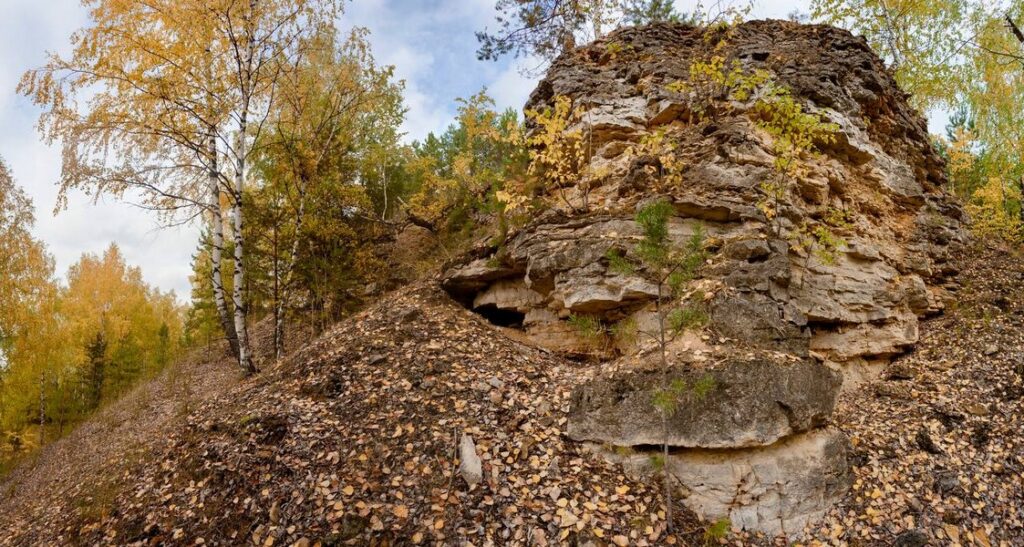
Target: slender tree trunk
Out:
[217,250]
[42,410]
[281,304]
[384,187]
[278,335]
[62,415]
[664,411]
[238,294]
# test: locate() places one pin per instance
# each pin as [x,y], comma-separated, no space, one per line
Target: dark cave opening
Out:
[501,317]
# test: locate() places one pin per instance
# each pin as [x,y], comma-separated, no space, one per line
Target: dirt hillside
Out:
[353,441]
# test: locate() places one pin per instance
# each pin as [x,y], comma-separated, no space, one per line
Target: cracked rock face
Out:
[776,489]
[751,402]
[782,317]
[881,172]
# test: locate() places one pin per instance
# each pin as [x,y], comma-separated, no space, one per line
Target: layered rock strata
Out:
[784,319]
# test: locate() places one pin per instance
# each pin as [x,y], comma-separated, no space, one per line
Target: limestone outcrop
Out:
[880,172]
[748,402]
[777,489]
[784,320]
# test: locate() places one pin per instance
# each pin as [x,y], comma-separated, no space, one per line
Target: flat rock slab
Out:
[752,402]
[777,489]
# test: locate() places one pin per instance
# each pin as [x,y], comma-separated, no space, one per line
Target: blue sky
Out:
[431,43]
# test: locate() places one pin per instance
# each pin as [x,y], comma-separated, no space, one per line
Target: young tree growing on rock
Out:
[668,268]
[795,133]
[715,87]
[560,152]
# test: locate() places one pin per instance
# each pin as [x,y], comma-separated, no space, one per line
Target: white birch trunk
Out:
[238,292]
[217,251]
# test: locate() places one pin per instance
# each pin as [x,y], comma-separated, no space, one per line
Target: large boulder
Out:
[741,402]
[856,251]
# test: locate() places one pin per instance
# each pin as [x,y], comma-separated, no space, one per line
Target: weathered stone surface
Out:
[614,119]
[776,489]
[754,402]
[847,291]
[559,336]
[512,295]
[470,466]
[758,320]
[866,339]
[880,171]
[590,289]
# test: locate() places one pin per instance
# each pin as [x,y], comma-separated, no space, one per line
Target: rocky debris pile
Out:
[782,314]
[413,422]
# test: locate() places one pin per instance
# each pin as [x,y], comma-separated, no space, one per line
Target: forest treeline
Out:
[280,134]
[67,347]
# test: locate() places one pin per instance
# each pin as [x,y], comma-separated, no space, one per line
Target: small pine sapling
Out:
[668,267]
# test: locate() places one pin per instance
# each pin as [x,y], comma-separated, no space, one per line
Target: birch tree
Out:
[161,100]
[334,107]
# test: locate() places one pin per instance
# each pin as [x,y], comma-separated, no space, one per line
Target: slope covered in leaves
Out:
[79,476]
[353,440]
[938,441]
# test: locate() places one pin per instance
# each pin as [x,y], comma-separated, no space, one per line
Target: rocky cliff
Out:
[416,421]
[787,323]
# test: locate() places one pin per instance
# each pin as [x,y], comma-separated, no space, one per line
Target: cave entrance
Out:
[501,317]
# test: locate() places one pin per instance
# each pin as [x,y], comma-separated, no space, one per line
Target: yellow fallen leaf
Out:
[952,531]
[982,537]
[401,511]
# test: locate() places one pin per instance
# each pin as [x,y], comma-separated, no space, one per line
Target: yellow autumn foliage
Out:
[990,214]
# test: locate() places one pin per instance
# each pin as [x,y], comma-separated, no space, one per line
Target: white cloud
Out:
[425,114]
[433,48]
[511,88]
